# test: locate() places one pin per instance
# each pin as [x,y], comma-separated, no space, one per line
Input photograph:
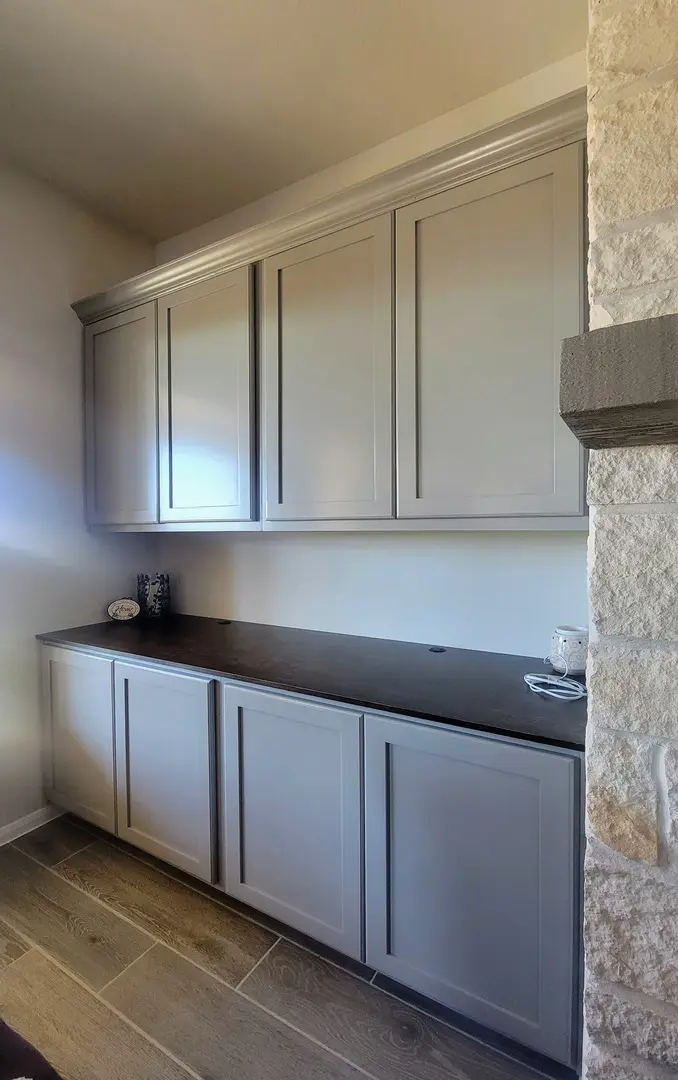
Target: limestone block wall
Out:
[631,877]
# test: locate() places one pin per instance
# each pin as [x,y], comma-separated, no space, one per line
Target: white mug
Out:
[569,647]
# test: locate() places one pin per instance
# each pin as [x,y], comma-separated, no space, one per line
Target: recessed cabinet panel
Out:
[78,734]
[165,743]
[471,876]
[121,400]
[205,341]
[292,812]
[328,377]
[488,283]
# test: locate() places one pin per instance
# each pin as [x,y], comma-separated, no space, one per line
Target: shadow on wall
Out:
[53,574]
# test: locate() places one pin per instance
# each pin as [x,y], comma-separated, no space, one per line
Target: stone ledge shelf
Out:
[619,384]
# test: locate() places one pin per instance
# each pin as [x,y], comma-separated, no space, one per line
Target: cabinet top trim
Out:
[538,132]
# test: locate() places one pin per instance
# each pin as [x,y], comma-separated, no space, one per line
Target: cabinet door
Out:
[205,352]
[488,282]
[292,807]
[327,357]
[165,741]
[78,734]
[470,855]
[121,414]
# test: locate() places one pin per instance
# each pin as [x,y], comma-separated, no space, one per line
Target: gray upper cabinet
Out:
[121,418]
[292,812]
[327,376]
[205,363]
[471,856]
[489,281]
[409,370]
[165,748]
[78,734]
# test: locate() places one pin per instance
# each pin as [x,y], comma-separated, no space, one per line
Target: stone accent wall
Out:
[631,877]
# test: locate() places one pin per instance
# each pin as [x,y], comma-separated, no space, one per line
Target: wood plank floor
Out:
[75,1031]
[186,921]
[82,934]
[384,1036]
[213,1029]
[11,945]
[114,970]
[54,841]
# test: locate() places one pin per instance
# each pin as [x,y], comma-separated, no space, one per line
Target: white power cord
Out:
[556,686]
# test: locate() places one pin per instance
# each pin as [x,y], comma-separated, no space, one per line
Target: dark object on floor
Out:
[18,1058]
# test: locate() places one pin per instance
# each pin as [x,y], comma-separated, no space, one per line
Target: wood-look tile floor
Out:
[117,970]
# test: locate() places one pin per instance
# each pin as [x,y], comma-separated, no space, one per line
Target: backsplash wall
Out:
[502,592]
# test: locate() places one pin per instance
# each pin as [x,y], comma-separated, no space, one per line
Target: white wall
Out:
[52,573]
[498,591]
[525,95]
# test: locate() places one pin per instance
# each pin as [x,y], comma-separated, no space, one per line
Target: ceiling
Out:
[162,114]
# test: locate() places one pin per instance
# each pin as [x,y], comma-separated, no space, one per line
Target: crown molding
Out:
[538,132]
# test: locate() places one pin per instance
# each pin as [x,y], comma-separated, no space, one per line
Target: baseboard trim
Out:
[15,829]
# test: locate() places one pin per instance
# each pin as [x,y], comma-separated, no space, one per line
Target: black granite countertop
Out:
[462,687]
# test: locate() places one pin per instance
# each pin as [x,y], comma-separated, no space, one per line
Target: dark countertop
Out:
[469,689]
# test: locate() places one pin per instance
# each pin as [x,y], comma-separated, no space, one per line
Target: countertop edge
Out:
[57,640]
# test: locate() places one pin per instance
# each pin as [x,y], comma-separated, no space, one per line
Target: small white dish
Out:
[124,609]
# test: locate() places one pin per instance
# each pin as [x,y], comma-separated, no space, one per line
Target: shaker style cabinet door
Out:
[121,418]
[78,734]
[292,812]
[327,374]
[489,281]
[165,744]
[471,855]
[205,364]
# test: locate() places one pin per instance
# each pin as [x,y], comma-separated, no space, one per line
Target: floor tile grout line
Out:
[326,960]
[224,905]
[28,949]
[259,961]
[305,1035]
[124,971]
[236,989]
[457,1030]
[102,1001]
[460,1031]
[140,929]
[95,899]
[187,959]
[72,853]
[16,844]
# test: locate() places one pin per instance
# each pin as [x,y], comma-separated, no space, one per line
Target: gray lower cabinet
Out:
[165,767]
[471,876]
[292,812]
[469,845]
[78,734]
